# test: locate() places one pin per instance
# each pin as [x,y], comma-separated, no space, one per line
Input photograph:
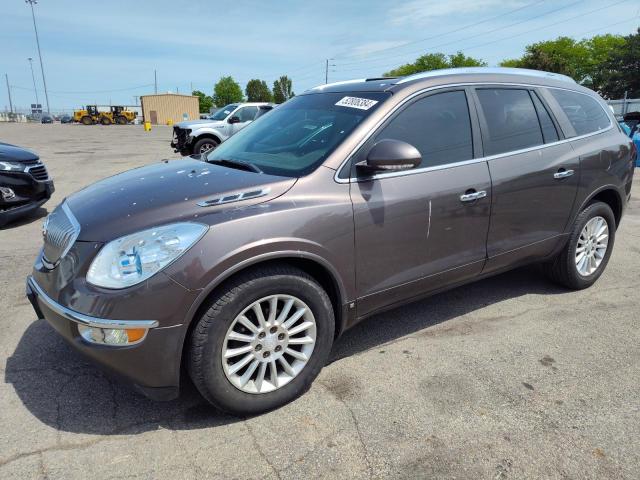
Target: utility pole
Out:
[35,89]
[326,69]
[155,81]
[191,85]
[9,90]
[44,81]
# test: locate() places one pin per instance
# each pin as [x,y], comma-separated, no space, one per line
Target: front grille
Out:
[180,136]
[61,229]
[39,172]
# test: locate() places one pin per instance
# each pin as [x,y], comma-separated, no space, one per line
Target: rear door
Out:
[415,230]
[246,116]
[535,176]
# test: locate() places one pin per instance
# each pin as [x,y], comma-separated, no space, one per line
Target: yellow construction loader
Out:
[116,114]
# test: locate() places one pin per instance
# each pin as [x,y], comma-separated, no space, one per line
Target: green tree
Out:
[586,61]
[282,89]
[623,66]
[563,55]
[435,61]
[227,91]
[205,101]
[257,91]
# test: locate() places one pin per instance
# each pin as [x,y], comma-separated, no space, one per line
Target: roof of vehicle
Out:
[450,76]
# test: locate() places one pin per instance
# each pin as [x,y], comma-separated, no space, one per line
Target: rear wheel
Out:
[87,120]
[105,121]
[264,339]
[204,145]
[120,120]
[587,252]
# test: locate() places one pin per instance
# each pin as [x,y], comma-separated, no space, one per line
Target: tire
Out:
[120,120]
[204,145]
[105,121]
[210,371]
[86,120]
[564,269]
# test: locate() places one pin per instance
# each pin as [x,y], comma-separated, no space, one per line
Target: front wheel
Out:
[204,145]
[262,342]
[587,252]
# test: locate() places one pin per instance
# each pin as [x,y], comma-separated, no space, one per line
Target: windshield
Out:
[297,136]
[223,112]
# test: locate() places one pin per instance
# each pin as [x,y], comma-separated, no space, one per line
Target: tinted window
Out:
[549,131]
[511,120]
[437,125]
[246,114]
[585,113]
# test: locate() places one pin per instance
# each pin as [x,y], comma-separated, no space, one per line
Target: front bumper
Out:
[30,194]
[152,365]
[181,142]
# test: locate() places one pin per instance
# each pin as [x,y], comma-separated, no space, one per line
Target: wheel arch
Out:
[315,266]
[609,195]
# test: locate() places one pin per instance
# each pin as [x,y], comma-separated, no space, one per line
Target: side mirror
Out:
[234,119]
[390,155]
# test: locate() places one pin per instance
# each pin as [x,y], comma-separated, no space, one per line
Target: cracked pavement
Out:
[511,377]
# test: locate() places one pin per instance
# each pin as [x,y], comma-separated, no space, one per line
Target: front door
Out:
[534,186]
[420,230]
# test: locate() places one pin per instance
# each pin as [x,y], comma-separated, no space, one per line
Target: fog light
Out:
[112,336]
[6,193]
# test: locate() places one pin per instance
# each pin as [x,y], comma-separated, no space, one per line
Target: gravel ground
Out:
[510,377]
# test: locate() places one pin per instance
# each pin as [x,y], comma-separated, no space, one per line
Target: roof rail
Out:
[345,82]
[494,70]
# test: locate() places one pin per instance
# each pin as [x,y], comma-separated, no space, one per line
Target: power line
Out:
[466,27]
[92,91]
[413,52]
[387,64]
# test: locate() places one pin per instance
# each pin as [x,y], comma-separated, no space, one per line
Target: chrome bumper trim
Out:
[81,318]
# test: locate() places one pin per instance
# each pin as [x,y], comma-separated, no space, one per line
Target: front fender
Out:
[208,131]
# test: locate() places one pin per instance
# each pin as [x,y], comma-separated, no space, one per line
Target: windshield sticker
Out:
[356,102]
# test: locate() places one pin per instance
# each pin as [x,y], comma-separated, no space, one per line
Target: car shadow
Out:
[65,391]
[30,217]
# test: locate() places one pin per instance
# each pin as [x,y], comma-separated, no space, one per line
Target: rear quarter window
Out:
[585,113]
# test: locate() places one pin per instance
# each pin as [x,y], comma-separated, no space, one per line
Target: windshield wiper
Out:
[239,164]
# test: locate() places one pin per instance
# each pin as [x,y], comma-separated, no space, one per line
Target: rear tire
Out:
[120,120]
[204,145]
[570,268]
[105,121]
[211,366]
[86,120]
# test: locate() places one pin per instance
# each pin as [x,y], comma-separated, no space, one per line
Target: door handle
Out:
[563,174]
[473,196]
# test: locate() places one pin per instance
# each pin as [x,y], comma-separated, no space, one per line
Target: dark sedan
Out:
[24,182]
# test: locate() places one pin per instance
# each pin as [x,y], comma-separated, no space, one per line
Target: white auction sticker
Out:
[356,102]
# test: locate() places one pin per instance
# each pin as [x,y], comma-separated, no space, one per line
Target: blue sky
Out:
[106,51]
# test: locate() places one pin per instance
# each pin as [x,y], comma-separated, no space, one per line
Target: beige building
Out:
[163,108]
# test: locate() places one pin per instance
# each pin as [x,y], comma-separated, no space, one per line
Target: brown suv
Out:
[349,199]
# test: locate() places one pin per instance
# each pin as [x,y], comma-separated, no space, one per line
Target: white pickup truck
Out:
[198,136]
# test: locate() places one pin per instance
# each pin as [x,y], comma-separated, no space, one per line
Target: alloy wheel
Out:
[592,246]
[269,343]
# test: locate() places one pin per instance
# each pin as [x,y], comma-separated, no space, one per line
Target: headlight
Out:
[11,167]
[134,258]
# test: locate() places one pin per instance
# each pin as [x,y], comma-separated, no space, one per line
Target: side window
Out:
[549,131]
[511,119]
[438,126]
[247,114]
[585,113]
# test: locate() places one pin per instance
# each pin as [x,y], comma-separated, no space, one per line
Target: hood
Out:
[11,153]
[164,193]
[200,123]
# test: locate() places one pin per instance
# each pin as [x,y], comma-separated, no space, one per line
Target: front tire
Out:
[263,340]
[204,145]
[588,249]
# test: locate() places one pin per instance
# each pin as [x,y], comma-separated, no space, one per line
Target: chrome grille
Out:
[60,230]
[39,172]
